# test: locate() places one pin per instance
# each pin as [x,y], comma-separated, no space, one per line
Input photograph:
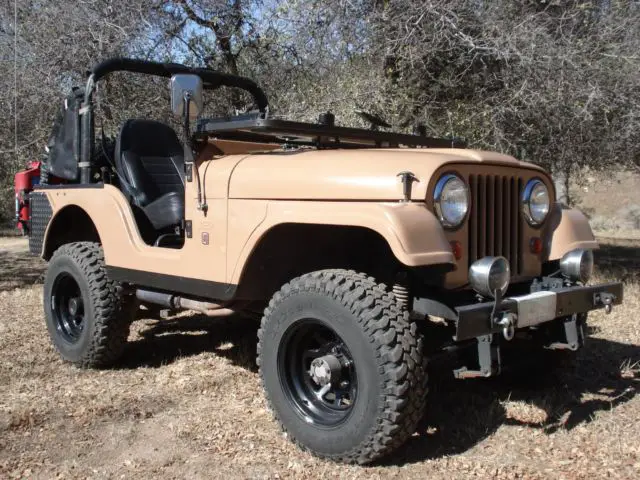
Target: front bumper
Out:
[479,319]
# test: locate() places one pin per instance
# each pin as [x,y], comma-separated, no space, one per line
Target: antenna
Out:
[453,136]
[15,76]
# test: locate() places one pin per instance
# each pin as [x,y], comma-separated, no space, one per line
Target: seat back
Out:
[150,157]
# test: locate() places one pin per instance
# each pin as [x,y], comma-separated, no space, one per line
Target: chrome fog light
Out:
[489,275]
[577,265]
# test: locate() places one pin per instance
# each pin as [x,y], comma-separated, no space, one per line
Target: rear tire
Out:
[377,389]
[87,315]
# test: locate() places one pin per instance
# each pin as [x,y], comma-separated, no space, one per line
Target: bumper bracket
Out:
[574,333]
[488,359]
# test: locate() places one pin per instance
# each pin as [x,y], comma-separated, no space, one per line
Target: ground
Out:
[186,402]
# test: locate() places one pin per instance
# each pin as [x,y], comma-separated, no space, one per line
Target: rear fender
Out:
[105,207]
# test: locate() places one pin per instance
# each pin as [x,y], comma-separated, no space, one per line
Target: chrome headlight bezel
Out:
[438,193]
[527,194]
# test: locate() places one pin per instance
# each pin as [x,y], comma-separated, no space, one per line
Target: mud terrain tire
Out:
[383,345]
[87,315]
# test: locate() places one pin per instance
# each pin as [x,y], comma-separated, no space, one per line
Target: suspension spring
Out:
[401,293]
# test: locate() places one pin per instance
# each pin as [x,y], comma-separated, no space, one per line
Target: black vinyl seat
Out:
[150,162]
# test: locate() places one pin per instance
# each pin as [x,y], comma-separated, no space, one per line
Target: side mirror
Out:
[186,86]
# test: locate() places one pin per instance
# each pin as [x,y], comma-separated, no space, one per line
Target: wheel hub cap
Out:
[325,370]
[75,306]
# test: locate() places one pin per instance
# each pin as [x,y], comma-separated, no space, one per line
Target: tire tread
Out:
[398,349]
[113,311]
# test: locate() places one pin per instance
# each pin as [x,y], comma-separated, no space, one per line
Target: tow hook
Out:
[606,299]
[508,323]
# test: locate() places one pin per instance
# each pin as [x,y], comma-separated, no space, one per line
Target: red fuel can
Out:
[24,181]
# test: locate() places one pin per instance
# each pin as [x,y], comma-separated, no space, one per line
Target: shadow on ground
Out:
[19,269]
[459,413]
[619,259]
[462,413]
[164,341]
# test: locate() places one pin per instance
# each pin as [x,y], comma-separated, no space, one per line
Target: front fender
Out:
[567,230]
[413,233]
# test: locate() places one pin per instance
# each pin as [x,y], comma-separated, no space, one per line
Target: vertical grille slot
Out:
[494,221]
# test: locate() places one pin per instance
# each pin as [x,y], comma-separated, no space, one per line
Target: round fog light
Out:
[489,275]
[577,265]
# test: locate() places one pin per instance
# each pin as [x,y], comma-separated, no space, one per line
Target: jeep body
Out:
[268,212]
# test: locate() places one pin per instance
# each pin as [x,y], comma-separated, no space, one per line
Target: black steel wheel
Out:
[87,315]
[318,372]
[342,366]
[67,307]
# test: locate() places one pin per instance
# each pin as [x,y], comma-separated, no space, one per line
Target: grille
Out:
[495,227]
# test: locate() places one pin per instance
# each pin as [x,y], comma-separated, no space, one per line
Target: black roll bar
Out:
[211,79]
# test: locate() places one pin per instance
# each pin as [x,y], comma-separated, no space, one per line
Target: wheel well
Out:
[290,250]
[71,224]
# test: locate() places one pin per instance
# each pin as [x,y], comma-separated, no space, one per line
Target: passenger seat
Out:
[150,162]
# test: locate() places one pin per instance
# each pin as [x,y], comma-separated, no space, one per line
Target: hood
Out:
[363,174]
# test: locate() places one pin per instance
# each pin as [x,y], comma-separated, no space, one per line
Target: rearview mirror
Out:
[185,85]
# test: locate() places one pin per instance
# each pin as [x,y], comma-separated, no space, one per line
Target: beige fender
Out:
[567,230]
[108,210]
[413,233]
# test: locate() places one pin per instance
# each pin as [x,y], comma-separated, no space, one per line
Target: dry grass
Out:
[186,402]
[611,200]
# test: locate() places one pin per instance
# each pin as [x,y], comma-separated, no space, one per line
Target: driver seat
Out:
[150,163]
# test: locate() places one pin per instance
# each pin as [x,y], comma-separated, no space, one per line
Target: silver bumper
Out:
[535,308]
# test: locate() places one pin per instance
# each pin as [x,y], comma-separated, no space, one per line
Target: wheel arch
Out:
[70,224]
[276,259]
[372,237]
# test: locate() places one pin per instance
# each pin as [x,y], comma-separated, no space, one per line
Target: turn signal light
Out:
[456,249]
[536,245]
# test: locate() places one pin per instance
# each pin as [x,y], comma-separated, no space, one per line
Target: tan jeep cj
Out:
[350,246]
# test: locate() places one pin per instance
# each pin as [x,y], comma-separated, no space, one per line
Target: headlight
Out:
[451,200]
[535,202]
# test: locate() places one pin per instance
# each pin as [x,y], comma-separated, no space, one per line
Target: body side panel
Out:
[203,256]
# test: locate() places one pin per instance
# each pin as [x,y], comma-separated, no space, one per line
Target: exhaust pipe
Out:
[180,303]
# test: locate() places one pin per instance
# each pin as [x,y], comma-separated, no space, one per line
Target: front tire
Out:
[87,315]
[342,366]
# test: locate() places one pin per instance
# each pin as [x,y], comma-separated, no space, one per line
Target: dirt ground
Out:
[186,403]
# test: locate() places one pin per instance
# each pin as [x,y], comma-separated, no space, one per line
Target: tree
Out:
[551,82]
